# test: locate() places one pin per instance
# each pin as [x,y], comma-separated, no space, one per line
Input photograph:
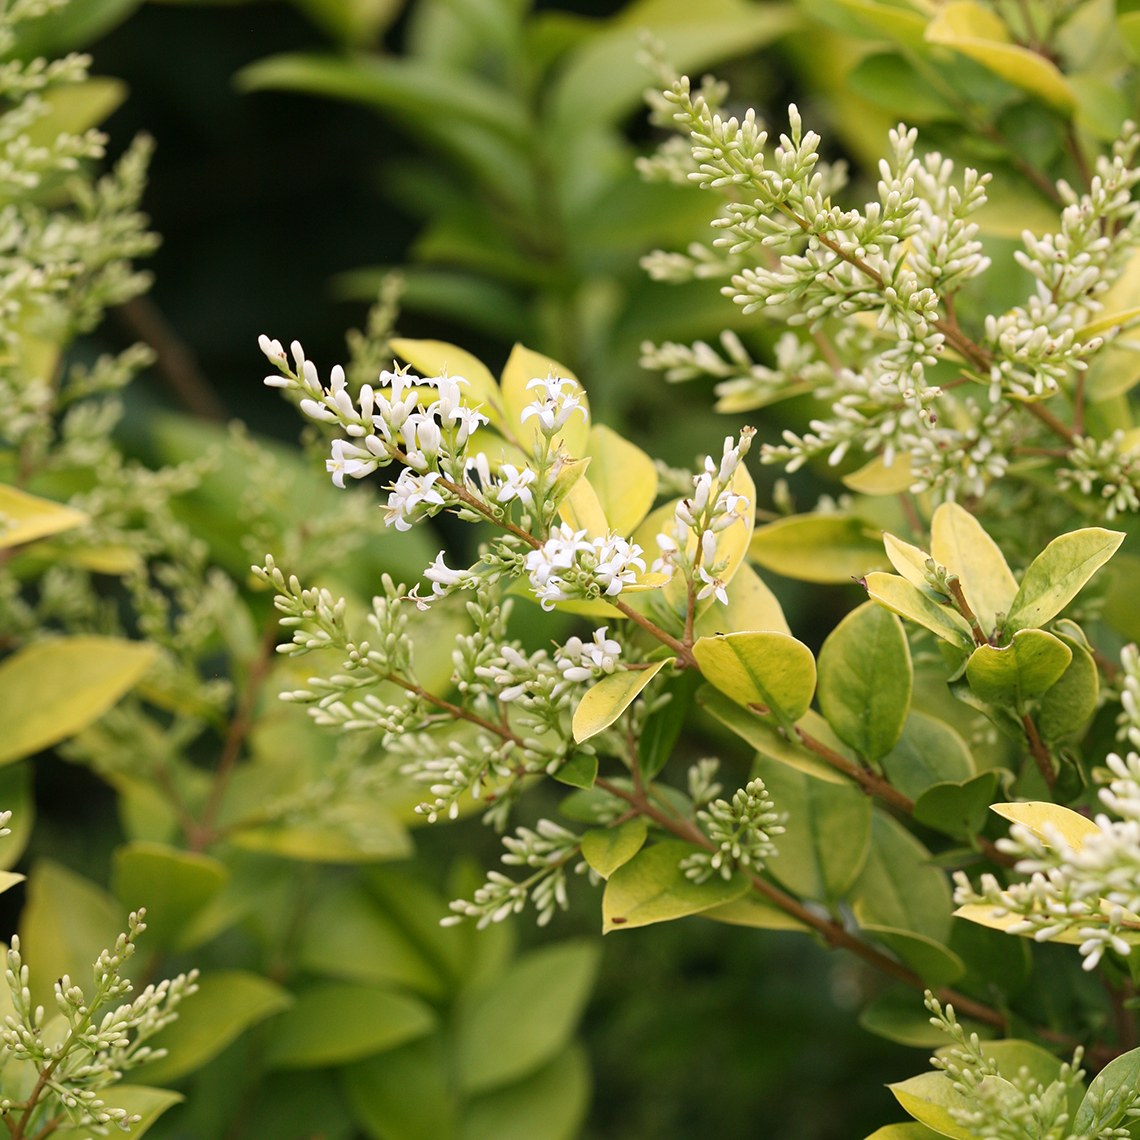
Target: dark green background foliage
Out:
[695,1029]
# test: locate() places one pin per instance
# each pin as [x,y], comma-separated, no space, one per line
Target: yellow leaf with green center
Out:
[609,698]
[960,543]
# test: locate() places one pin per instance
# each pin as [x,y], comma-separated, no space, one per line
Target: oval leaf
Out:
[818,548]
[768,669]
[623,476]
[24,517]
[1021,672]
[1056,575]
[929,1097]
[651,887]
[901,598]
[957,809]
[928,752]
[52,689]
[959,542]
[607,849]
[865,679]
[609,698]
[1038,815]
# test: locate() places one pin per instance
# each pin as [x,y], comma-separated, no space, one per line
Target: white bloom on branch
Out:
[583,660]
[411,498]
[515,484]
[555,405]
[619,562]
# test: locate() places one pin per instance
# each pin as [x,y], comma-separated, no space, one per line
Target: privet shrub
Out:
[957,803]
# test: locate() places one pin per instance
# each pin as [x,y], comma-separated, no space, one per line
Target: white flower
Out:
[272,349]
[348,459]
[515,484]
[559,552]
[411,498]
[581,661]
[712,586]
[618,563]
[553,408]
[668,547]
[394,410]
[442,576]
[468,420]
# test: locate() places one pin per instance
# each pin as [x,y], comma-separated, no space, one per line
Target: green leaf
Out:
[888,80]
[651,887]
[363,831]
[827,831]
[623,476]
[976,32]
[929,1098]
[936,964]
[345,935]
[906,600]
[1021,672]
[957,809]
[1109,1094]
[580,771]
[662,728]
[16,797]
[28,517]
[959,542]
[900,1016]
[603,82]
[607,849]
[818,548]
[901,24]
[404,1094]
[609,698]
[908,1130]
[928,752]
[227,1003]
[334,1023]
[528,1018]
[1011,1056]
[551,1104]
[898,888]
[173,885]
[865,679]
[1057,574]
[772,670]
[762,734]
[754,910]
[66,924]
[52,689]
[409,88]
[136,1100]
[1071,702]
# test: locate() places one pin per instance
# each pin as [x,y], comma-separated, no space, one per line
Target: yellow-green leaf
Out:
[907,1130]
[901,598]
[935,964]
[967,27]
[1058,573]
[772,670]
[754,910]
[24,517]
[608,848]
[609,698]
[75,108]
[929,1097]
[583,510]
[876,478]
[651,887]
[432,357]
[135,1100]
[818,548]
[1037,815]
[523,366]
[960,543]
[910,561]
[52,689]
[1108,321]
[624,478]
[1020,672]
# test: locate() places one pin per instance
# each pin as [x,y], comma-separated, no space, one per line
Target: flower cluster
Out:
[94,1052]
[548,848]
[1109,464]
[690,546]
[1087,890]
[569,565]
[742,831]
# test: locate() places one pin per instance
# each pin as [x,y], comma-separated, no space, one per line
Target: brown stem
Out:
[690,611]
[870,782]
[175,363]
[1074,146]
[33,1099]
[1079,403]
[685,658]
[1044,452]
[48,1128]
[1039,752]
[954,585]
[833,933]
[1058,427]
[235,737]
[499,730]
